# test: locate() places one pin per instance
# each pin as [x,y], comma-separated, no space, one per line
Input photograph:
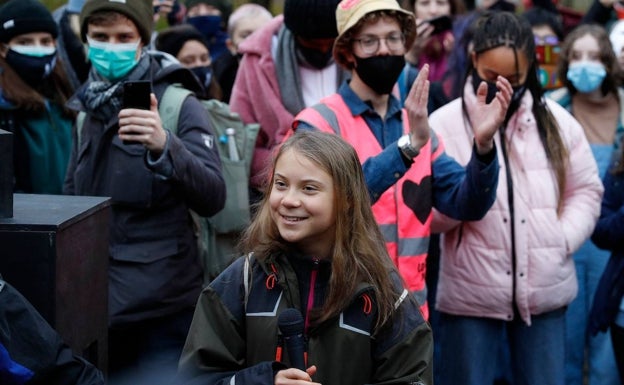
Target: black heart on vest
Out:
[417,196]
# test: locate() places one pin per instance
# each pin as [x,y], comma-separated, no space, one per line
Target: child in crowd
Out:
[511,272]
[592,93]
[313,246]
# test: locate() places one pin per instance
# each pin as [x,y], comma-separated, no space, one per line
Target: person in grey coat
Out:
[153,177]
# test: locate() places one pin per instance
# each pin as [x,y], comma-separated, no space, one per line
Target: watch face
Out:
[404,141]
[406,147]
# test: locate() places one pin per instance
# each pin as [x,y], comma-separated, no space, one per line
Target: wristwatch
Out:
[405,145]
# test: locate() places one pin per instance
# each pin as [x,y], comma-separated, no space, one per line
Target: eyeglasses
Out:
[370,44]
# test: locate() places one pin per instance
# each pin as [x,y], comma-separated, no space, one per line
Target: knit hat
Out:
[225,6]
[18,17]
[172,39]
[311,19]
[141,12]
[75,6]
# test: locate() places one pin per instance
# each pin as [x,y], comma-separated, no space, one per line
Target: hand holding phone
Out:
[136,94]
[440,24]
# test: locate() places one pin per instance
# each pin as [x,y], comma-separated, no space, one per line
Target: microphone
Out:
[290,323]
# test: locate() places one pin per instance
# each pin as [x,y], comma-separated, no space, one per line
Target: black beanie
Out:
[141,12]
[18,17]
[172,39]
[311,19]
[225,6]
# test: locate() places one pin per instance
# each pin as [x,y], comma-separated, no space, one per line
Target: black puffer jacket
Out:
[31,352]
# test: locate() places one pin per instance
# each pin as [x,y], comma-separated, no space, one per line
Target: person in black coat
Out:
[154,177]
[31,352]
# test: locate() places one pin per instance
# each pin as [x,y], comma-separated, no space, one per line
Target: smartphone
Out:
[136,94]
[440,24]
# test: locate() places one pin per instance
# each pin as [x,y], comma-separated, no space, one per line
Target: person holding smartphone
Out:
[154,272]
[434,40]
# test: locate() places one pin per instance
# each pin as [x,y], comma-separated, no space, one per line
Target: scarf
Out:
[288,76]
[103,99]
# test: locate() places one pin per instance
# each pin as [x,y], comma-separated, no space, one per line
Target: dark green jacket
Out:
[228,340]
[41,147]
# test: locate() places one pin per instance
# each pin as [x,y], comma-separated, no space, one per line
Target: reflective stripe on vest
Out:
[405,230]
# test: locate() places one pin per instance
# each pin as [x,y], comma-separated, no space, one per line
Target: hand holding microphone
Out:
[291,325]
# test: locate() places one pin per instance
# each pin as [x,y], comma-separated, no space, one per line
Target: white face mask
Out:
[34,50]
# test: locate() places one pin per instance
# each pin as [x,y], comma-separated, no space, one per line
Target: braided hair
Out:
[506,29]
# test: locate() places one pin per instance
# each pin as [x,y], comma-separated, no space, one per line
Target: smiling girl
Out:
[314,247]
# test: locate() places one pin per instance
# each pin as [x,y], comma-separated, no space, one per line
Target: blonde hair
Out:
[243,12]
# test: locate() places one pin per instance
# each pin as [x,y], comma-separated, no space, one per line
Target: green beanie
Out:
[141,12]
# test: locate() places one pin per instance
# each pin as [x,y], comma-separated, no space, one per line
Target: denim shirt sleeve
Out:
[380,171]
[464,194]
[383,170]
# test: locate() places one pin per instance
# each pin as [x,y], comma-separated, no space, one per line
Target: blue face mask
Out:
[208,25]
[113,61]
[32,63]
[586,76]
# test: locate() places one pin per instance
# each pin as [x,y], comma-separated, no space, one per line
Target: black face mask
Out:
[313,57]
[32,69]
[380,73]
[516,97]
[491,87]
[204,74]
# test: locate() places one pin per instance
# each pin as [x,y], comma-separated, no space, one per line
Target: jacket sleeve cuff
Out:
[485,159]
[163,165]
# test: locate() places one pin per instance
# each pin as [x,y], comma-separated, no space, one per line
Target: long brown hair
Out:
[359,253]
[25,98]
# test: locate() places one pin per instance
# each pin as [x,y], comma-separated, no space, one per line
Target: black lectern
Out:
[54,251]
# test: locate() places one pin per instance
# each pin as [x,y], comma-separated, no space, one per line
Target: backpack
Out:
[217,236]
